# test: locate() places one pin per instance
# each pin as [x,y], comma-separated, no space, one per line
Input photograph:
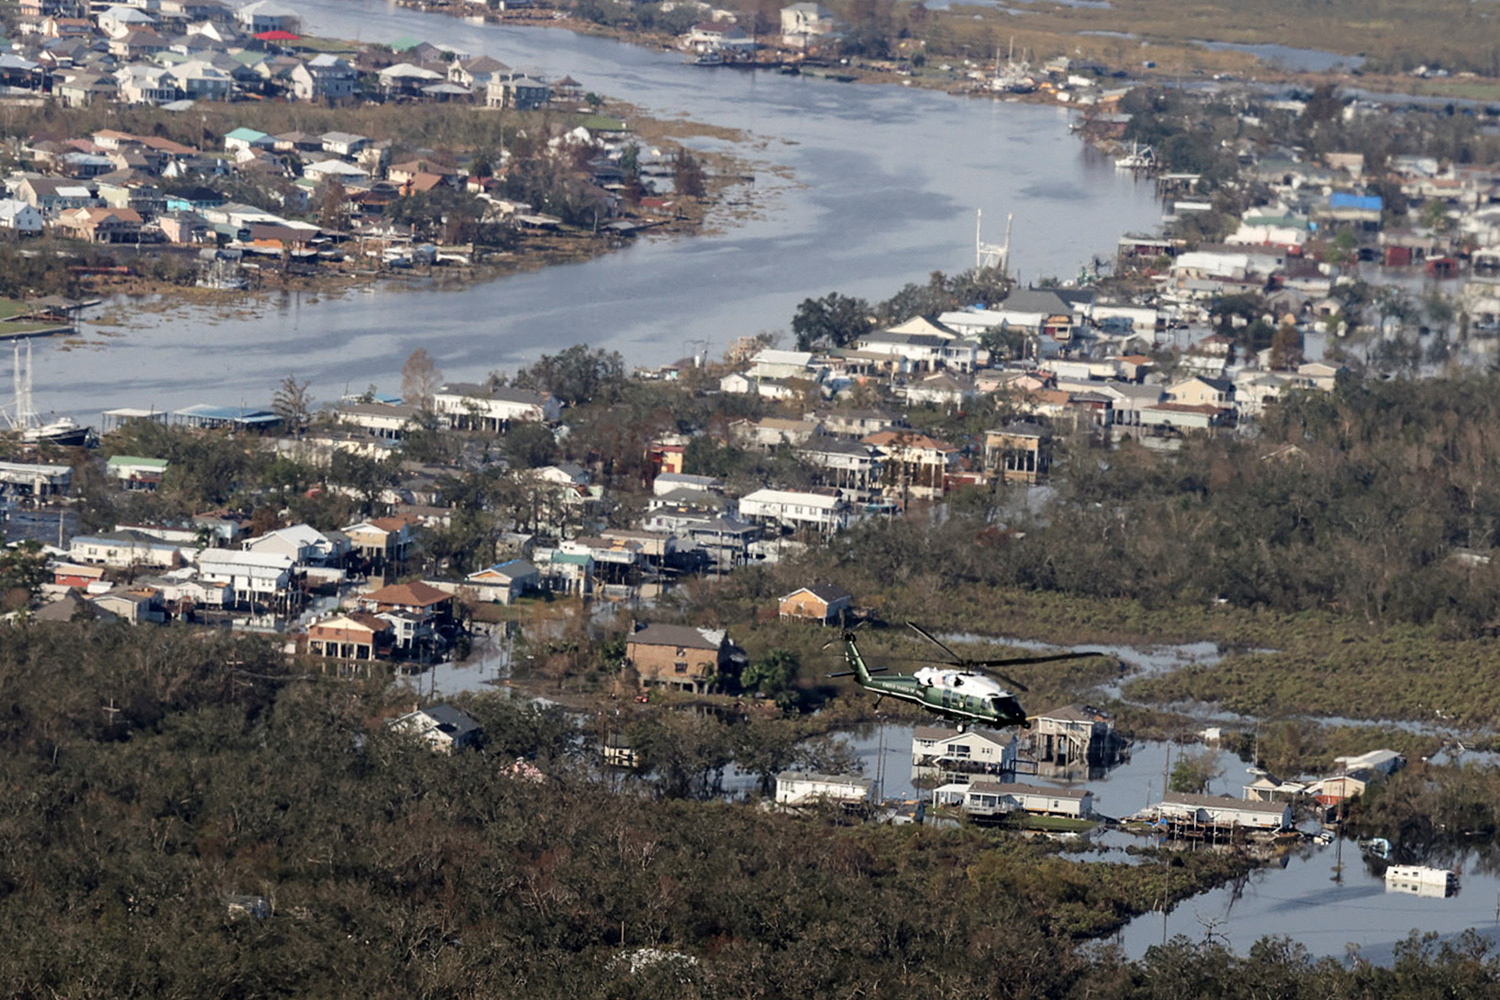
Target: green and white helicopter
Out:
[960,689]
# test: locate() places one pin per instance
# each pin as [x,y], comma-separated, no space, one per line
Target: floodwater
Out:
[880,187]
[1332,902]
[1327,898]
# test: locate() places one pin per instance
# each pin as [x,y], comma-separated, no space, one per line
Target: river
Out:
[884,184]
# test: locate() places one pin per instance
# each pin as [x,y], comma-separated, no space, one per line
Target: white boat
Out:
[1139,158]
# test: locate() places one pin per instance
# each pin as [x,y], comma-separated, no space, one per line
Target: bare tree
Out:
[293,404]
[420,378]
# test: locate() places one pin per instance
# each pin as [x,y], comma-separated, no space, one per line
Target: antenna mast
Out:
[992,255]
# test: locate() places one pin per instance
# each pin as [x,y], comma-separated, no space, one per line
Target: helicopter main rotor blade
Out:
[1006,678]
[1016,661]
[935,641]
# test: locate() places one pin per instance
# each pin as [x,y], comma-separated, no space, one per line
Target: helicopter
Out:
[963,690]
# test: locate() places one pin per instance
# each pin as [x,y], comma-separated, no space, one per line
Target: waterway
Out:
[880,188]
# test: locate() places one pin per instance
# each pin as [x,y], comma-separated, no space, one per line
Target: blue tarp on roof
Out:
[1363,202]
[226,414]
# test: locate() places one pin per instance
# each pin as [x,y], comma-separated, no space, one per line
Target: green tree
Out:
[577,376]
[23,570]
[833,321]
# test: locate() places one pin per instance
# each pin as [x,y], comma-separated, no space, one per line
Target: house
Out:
[1201,391]
[135,473]
[1073,734]
[504,582]
[1211,814]
[304,544]
[344,143]
[801,788]
[416,598]
[77,575]
[843,464]
[19,217]
[380,541]
[716,36]
[136,604]
[987,798]
[354,635]
[50,195]
[101,225]
[324,77]
[825,511]
[519,92]
[1019,453]
[679,656]
[821,602]
[481,408]
[243,139]
[947,755]
[915,463]
[267,15]
[803,24]
[253,576]
[125,550]
[383,420]
[444,728]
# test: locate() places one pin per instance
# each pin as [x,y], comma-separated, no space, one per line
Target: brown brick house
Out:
[679,656]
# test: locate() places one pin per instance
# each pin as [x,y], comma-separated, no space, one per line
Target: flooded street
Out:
[879,188]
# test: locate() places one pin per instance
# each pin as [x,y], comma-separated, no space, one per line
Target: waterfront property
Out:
[801,788]
[989,799]
[679,656]
[1213,817]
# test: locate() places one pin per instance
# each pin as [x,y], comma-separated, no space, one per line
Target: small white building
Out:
[797,788]
[504,582]
[20,217]
[1223,814]
[443,727]
[993,798]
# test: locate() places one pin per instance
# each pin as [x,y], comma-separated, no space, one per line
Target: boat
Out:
[1139,158]
[708,59]
[59,430]
[63,431]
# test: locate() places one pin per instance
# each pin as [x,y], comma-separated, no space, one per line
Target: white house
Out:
[795,788]
[826,511]
[16,215]
[469,405]
[248,574]
[1224,813]
[302,543]
[267,15]
[504,582]
[124,550]
[990,798]
[443,727]
[802,24]
[949,755]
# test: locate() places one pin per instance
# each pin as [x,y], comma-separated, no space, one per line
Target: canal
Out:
[877,186]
